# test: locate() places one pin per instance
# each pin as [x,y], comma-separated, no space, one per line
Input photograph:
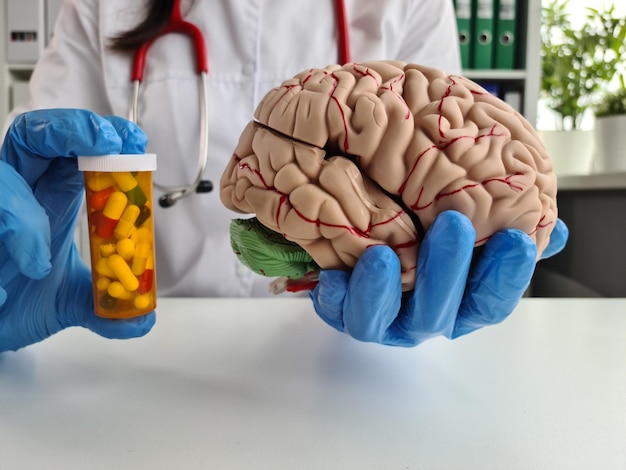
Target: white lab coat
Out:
[253,45]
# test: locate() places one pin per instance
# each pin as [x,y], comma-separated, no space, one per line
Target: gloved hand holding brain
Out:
[346,157]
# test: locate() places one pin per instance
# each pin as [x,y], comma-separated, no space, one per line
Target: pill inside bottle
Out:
[118,191]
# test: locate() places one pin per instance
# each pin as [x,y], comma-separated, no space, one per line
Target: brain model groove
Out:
[346,157]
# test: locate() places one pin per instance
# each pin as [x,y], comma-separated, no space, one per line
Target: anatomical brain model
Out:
[346,157]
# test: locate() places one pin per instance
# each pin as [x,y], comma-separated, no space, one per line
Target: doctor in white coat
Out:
[253,45]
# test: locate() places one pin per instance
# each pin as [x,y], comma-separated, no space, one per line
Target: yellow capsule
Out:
[117,290]
[125,248]
[107,249]
[127,183]
[142,253]
[102,267]
[100,181]
[115,206]
[122,272]
[142,235]
[126,225]
[142,301]
[150,262]
[106,221]
[103,283]
[125,180]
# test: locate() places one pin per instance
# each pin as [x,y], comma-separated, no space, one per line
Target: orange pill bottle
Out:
[118,191]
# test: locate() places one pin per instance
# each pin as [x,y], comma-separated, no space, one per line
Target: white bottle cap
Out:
[118,162]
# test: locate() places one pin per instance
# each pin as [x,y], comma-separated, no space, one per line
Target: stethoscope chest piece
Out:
[204,186]
[170,198]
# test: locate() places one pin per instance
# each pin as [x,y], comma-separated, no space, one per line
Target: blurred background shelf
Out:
[599,181]
[518,84]
[488,74]
[26,27]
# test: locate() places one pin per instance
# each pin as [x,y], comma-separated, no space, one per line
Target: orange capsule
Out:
[99,199]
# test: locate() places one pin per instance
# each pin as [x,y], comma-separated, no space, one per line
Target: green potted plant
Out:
[610,130]
[578,62]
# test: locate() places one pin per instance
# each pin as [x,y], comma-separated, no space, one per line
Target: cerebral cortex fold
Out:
[345,157]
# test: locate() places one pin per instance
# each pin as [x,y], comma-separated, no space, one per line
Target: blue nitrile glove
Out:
[450,297]
[44,285]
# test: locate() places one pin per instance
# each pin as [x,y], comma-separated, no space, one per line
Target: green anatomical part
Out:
[267,252]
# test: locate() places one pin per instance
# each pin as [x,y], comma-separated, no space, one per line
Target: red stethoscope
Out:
[177,24]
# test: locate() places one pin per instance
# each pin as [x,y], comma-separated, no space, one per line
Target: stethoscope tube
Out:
[199,185]
[177,24]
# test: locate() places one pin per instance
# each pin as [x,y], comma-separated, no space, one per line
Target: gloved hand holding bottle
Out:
[453,295]
[44,285]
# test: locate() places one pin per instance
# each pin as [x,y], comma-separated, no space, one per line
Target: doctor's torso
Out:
[253,45]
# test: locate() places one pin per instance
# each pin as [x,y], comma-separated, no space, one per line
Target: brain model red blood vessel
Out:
[345,157]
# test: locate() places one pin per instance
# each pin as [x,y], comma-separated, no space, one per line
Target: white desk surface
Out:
[265,384]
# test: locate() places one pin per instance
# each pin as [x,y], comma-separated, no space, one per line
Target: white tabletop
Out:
[265,384]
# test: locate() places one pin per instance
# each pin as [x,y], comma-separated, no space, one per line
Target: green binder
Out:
[463,10]
[483,12]
[506,32]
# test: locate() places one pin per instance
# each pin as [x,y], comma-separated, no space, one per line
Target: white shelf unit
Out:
[14,75]
[527,78]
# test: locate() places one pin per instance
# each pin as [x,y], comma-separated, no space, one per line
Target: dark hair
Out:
[158,14]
